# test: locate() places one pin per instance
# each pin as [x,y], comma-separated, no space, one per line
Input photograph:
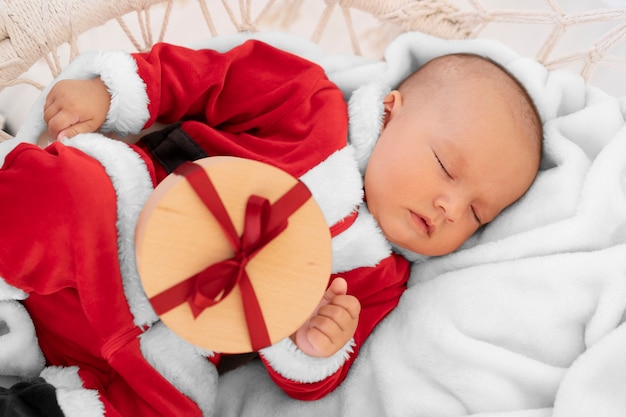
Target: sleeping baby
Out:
[459,140]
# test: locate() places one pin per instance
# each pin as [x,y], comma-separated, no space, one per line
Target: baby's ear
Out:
[391,103]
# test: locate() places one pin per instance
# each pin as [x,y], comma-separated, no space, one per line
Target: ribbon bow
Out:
[262,223]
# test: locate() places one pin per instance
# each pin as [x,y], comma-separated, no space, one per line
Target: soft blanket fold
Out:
[526,320]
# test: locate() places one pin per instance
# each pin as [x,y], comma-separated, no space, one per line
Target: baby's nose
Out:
[453,206]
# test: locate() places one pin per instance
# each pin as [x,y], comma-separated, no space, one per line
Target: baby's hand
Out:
[332,324]
[76,106]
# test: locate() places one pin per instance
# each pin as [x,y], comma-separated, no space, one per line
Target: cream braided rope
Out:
[34,30]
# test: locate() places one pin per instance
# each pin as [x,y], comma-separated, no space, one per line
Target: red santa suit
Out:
[248,103]
[64,242]
[253,101]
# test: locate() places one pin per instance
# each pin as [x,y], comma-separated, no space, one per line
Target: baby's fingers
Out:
[343,311]
[64,122]
[330,321]
[59,121]
[319,344]
[88,126]
[334,325]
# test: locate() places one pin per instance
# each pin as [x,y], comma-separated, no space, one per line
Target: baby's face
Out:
[447,165]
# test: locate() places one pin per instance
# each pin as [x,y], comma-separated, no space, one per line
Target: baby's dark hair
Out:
[437,72]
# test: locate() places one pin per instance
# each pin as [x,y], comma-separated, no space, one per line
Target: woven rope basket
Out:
[51,32]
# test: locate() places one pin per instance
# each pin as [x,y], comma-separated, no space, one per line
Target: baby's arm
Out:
[76,106]
[333,323]
[304,377]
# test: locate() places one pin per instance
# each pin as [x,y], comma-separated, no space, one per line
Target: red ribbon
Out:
[262,223]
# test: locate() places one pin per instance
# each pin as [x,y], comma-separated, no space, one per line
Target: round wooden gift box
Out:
[221,288]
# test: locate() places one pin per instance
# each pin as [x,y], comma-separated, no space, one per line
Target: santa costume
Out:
[68,232]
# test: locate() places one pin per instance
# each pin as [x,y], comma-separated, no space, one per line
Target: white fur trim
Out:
[9,292]
[363,244]
[80,403]
[74,400]
[133,185]
[183,364]
[129,100]
[289,361]
[366,111]
[129,112]
[62,377]
[19,350]
[336,185]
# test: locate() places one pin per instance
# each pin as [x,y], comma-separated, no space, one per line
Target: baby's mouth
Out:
[422,223]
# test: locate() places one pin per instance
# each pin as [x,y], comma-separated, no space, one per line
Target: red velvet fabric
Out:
[260,103]
[58,236]
[58,242]
[254,101]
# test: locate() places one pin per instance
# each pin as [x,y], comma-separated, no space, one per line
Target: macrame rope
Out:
[144,21]
[323,22]
[354,39]
[166,20]
[262,16]
[33,30]
[207,17]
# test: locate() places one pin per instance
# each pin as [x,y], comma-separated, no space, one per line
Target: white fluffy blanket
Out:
[525,320]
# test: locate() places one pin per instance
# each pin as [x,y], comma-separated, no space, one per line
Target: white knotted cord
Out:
[33,30]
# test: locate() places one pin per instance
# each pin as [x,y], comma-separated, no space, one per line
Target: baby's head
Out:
[461,141]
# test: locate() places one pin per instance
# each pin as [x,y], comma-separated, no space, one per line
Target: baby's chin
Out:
[429,251]
[409,255]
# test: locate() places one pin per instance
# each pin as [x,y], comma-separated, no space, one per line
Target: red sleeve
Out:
[51,218]
[379,290]
[253,101]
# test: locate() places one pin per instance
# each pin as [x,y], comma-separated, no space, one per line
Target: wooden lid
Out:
[178,236]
